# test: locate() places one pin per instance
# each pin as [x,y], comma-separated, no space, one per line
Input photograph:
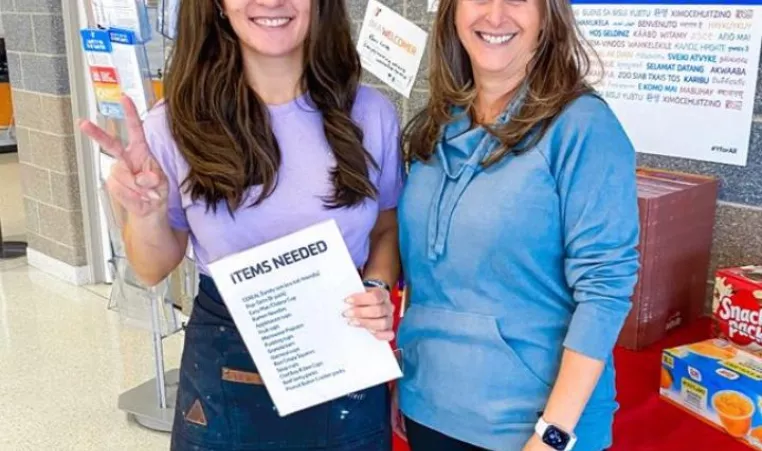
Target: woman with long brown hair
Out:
[518,235]
[264,131]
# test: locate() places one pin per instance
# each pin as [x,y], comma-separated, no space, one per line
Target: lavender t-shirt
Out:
[303,180]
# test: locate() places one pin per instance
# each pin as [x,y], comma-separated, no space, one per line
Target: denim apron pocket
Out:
[237,413]
[255,421]
[201,415]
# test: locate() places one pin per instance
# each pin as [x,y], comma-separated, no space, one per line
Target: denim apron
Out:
[222,404]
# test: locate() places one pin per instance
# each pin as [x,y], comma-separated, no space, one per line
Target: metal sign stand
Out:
[141,402]
[152,403]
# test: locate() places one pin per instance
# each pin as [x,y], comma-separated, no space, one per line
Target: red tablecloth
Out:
[645,422]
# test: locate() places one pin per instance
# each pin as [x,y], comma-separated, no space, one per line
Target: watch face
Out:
[556,438]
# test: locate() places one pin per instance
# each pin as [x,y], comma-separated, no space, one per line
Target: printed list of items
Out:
[297,362]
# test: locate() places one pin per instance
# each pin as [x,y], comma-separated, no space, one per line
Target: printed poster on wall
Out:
[391,47]
[681,76]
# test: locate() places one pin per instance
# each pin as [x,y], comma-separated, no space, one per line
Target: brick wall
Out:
[36,44]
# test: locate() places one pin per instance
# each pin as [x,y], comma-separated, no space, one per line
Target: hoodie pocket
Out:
[460,362]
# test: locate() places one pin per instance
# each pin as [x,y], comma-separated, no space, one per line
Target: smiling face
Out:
[500,36]
[272,28]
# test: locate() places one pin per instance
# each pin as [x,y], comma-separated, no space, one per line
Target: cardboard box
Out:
[718,383]
[737,307]
[677,213]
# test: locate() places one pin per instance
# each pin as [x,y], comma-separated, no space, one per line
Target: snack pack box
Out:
[737,307]
[718,383]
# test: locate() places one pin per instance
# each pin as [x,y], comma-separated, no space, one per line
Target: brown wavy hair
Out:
[555,76]
[222,127]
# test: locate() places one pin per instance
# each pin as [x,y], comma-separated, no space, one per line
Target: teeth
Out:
[272,22]
[495,38]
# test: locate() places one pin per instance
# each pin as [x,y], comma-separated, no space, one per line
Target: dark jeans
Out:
[223,406]
[421,438]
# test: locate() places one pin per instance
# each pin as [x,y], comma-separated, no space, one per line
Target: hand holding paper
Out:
[288,300]
[374,311]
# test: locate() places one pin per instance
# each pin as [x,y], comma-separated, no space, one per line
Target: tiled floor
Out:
[64,360]
[64,356]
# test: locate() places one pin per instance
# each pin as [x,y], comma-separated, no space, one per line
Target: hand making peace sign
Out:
[136,182]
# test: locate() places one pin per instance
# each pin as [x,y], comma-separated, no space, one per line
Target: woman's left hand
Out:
[535,444]
[374,311]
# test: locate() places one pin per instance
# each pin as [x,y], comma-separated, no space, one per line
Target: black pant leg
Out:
[421,438]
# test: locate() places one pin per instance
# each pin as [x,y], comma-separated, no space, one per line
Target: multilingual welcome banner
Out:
[680,75]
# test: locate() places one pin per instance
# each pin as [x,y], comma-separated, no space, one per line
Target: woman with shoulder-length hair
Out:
[518,234]
[264,131]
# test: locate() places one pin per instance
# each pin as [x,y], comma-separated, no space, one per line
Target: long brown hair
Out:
[222,127]
[555,76]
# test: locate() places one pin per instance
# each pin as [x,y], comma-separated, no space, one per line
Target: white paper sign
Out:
[167,18]
[124,14]
[391,47]
[287,299]
[681,77]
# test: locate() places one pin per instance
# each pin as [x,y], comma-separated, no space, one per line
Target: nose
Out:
[495,12]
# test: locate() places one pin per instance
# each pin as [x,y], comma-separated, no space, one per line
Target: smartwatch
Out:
[375,283]
[555,437]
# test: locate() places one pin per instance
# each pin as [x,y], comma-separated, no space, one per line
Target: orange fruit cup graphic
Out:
[735,411]
[666,379]
[712,350]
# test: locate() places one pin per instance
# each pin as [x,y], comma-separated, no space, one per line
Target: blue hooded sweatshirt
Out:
[509,265]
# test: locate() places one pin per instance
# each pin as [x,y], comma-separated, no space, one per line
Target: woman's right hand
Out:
[136,182]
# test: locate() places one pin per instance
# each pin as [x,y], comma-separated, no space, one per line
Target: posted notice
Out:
[391,47]
[681,76]
[287,298]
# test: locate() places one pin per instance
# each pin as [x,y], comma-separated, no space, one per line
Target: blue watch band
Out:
[375,283]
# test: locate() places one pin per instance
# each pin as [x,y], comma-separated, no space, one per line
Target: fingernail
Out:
[154,195]
[353,322]
[141,180]
[348,314]
[349,300]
